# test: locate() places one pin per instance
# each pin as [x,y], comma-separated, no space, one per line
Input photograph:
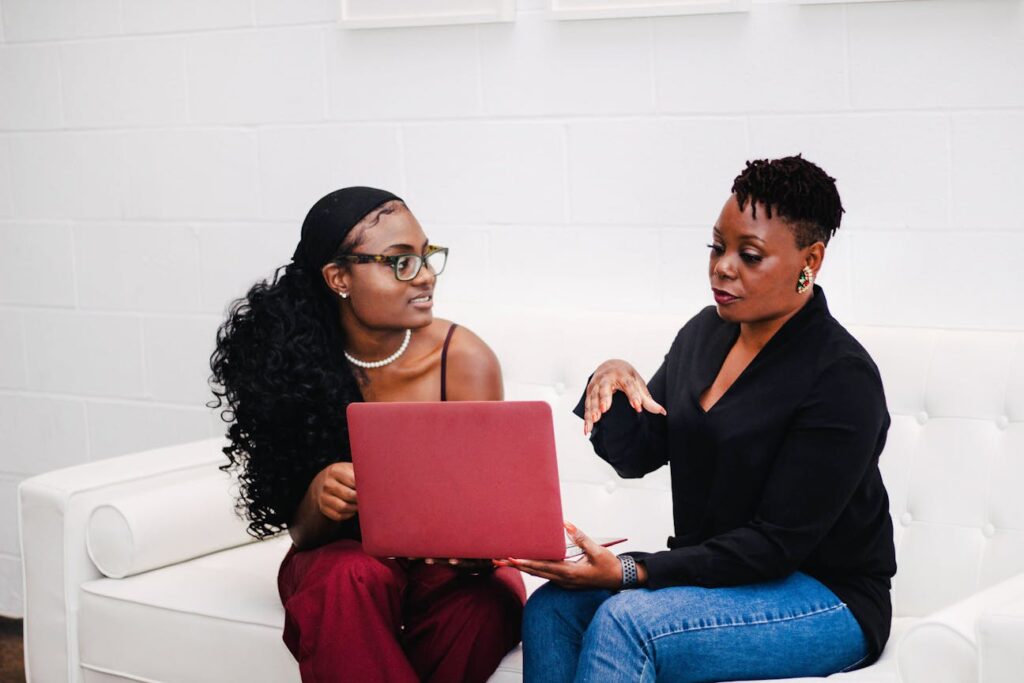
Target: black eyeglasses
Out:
[406,266]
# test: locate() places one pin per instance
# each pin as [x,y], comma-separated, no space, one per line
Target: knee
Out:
[368,572]
[349,567]
[553,612]
[617,616]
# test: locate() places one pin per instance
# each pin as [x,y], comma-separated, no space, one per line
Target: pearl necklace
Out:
[381,363]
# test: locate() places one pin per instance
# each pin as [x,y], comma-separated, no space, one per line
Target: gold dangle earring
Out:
[806,279]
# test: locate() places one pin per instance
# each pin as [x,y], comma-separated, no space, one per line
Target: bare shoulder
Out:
[474,372]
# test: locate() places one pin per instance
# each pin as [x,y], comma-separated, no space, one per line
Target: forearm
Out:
[309,527]
[733,558]
[630,442]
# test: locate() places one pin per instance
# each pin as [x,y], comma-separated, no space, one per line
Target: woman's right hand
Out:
[611,376]
[334,490]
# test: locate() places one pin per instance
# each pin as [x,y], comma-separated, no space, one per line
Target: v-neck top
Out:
[780,474]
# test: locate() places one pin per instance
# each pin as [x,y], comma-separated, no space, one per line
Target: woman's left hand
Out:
[598,568]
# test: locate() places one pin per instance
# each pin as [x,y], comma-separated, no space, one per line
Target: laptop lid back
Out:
[468,479]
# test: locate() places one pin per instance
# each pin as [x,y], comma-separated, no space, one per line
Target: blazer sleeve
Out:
[832,442]
[633,443]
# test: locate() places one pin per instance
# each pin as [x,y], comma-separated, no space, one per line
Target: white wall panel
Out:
[41,433]
[6,207]
[67,175]
[270,75]
[537,66]
[11,601]
[178,358]
[942,53]
[80,353]
[292,12]
[300,164]
[30,83]
[9,510]
[917,278]
[504,172]
[124,82]
[40,253]
[789,59]
[159,16]
[55,19]
[120,428]
[987,149]
[188,174]
[662,172]
[157,268]
[13,374]
[403,73]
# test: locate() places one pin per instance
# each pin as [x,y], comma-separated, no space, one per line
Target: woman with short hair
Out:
[772,418]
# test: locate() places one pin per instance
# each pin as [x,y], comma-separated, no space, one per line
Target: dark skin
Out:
[758,262]
[375,311]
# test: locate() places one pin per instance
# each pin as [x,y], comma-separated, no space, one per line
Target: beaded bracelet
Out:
[630,578]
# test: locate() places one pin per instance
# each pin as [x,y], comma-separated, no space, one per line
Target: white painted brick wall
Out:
[160,16]
[6,209]
[71,175]
[784,58]
[403,73]
[60,19]
[892,170]
[300,164]
[191,173]
[495,172]
[29,250]
[124,83]
[157,157]
[267,76]
[30,83]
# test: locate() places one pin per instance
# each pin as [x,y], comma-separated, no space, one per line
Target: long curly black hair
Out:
[279,367]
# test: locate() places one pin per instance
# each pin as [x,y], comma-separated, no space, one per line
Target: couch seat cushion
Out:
[215,618]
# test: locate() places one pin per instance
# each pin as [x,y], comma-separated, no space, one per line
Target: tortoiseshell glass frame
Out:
[392,260]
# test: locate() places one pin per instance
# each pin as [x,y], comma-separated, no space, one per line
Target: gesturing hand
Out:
[611,376]
[598,568]
[335,490]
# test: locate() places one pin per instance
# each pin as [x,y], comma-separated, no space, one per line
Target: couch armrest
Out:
[53,512]
[943,647]
[1001,643]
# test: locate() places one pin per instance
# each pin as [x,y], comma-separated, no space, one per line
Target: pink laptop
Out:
[471,479]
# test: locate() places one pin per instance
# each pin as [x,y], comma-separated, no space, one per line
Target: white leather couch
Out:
[199,600]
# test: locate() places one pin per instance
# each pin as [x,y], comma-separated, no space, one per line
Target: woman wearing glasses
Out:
[772,418]
[350,319]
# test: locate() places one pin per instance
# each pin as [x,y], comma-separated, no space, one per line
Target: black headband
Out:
[331,219]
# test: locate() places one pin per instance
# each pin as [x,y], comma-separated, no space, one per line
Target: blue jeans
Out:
[779,629]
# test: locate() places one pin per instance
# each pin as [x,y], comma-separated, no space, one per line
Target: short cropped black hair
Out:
[798,191]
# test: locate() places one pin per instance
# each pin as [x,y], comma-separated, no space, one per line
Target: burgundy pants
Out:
[352,617]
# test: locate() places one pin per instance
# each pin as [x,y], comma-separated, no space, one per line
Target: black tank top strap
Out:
[444,362]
